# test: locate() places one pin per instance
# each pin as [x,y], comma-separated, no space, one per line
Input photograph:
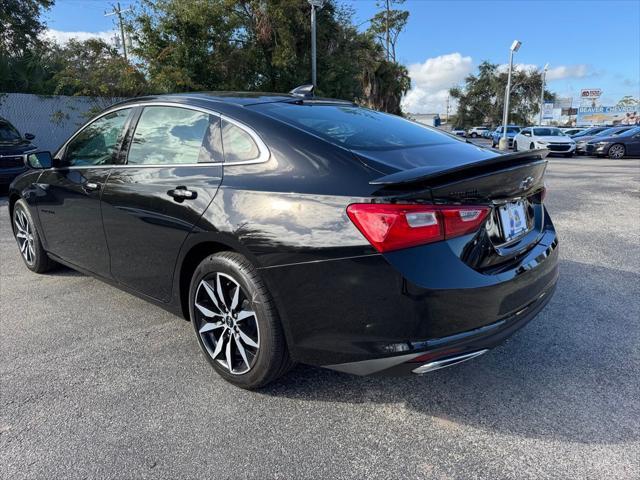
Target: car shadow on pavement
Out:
[570,374]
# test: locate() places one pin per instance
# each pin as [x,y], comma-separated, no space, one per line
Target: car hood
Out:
[554,139]
[7,149]
[608,139]
[586,138]
[441,156]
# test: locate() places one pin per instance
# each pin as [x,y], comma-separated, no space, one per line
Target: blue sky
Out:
[588,44]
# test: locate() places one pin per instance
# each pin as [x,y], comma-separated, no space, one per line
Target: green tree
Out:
[257,45]
[628,101]
[95,69]
[387,25]
[24,56]
[481,99]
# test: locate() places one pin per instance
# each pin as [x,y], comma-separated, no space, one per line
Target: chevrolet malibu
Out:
[289,228]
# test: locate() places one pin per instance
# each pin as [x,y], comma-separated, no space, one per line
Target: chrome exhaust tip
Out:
[447,362]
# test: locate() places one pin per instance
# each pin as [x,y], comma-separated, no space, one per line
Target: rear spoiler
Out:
[423,174]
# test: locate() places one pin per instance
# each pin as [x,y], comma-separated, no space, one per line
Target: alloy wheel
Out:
[24,236]
[228,327]
[616,151]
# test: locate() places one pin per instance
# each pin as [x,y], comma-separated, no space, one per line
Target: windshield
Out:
[354,127]
[8,133]
[548,132]
[612,131]
[629,133]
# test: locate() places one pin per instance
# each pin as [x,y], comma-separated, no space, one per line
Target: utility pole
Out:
[448,97]
[504,142]
[118,11]
[314,4]
[387,27]
[544,76]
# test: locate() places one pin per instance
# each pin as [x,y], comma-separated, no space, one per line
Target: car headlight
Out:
[542,143]
[602,144]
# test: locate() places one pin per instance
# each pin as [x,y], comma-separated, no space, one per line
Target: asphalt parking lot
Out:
[95,383]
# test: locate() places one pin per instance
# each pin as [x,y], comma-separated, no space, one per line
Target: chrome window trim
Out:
[264,156]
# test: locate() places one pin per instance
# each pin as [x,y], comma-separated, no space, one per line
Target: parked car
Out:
[616,146]
[581,142]
[572,131]
[290,228]
[550,138]
[12,147]
[589,131]
[476,132]
[512,131]
[459,132]
[487,133]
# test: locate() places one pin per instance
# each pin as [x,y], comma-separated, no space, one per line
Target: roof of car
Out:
[234,98]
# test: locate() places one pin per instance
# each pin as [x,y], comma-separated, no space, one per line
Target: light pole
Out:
[504,142]
[118,11]
[314,4]
[544,76]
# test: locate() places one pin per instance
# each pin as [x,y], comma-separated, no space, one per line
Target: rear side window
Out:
[169,136]
[354,127]
[238,145]
[98,143]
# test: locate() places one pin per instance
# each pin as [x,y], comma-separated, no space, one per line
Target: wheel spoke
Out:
[219,290]
[207,327]
[228,355]
[247,339]
[243,354]
[211,293]
[23,247]
[206,312]
[21,234]
[236,296]
[245,314]
[219,345]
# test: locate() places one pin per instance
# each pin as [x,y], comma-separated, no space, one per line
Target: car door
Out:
[69,194]
[633,145]
[524,139]
[172,168]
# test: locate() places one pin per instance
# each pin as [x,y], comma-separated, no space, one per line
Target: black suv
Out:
[12,147]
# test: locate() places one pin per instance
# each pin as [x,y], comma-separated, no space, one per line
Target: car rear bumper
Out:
[362,309]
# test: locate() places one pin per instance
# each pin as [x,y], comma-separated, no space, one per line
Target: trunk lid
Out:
[512,184]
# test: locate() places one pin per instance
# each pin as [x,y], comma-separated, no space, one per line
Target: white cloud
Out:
[568,71]
[62,37]
[431,81]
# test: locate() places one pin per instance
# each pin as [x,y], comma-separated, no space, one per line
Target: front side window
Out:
[168,136]
[98,143]
[238,145]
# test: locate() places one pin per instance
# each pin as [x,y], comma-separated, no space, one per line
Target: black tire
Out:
[617,151]
[474,135]
[33,254]
[270,360]
[493,144]
[532,147]
[515,146]
[568,155]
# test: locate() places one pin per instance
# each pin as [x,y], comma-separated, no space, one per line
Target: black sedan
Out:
[289,228]
[12,147]
[617,146]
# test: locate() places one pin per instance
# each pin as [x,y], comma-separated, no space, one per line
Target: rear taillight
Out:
[394,226]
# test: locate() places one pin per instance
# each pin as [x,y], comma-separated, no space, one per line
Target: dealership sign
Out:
[547,111]
[627,115]
[590,93]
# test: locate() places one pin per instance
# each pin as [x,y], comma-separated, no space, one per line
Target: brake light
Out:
[394,226]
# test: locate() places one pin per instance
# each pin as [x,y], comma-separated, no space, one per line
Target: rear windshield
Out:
[354,127]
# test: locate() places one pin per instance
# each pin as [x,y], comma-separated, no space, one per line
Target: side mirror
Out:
[38,160]
[29,136]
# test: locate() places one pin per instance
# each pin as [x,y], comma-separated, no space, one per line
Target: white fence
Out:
[52,119]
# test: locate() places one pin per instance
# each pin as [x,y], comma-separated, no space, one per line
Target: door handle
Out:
[181,193]
[91,187]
